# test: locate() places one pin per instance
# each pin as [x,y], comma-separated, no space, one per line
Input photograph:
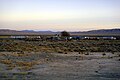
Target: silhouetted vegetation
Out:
[65,34]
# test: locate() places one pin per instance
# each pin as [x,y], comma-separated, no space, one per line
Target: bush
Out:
[65,34]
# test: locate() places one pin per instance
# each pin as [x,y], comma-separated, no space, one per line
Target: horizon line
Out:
[58,30]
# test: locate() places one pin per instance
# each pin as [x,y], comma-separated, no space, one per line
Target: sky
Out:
[59,15]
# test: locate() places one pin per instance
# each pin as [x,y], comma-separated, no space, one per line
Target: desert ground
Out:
[60,60]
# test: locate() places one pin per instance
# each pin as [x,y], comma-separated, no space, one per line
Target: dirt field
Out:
[21,60]
[58,66]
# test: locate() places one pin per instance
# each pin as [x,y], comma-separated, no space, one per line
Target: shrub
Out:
[103,54]
[65,34]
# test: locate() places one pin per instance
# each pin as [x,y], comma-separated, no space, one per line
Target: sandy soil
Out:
[59,66]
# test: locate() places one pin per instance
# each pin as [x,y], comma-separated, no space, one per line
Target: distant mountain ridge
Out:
[105,31]
[32,32]
[100,32]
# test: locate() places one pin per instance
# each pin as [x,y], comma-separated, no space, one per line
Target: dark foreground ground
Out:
[76,60]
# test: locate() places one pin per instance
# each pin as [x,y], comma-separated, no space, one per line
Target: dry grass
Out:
[23,63]
[23,54]
[60,46]
[8,62]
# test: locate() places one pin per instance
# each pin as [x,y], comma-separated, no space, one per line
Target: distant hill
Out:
[14,32]
[99,32]
[103,31]
[38,32]
[24,32]
[32,32]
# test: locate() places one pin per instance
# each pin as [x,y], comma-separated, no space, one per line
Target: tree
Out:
[65,34]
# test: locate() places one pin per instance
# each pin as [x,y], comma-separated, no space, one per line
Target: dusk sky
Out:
[58,15]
